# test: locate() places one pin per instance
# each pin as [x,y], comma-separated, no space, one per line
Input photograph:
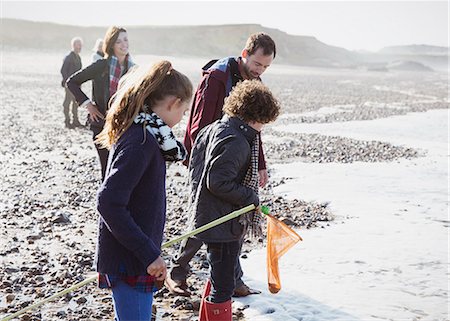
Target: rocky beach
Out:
[50,174]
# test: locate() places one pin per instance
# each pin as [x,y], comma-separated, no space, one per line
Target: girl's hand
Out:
[158,269]
[94,114]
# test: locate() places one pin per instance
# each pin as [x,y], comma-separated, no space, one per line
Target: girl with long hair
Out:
[132,198]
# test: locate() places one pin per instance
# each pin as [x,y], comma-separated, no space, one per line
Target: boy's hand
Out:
[263,177]
[158,269]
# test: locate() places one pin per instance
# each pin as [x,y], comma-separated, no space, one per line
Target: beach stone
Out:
[61,314]
[25,317]
[61,218]
[287,221]
[11,270]
[5,284]
[10,298]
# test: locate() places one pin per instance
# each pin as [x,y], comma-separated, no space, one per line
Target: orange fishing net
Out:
[280,238]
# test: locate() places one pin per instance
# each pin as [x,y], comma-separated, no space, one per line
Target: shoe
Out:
[68,125]
[177,287]
[244,290]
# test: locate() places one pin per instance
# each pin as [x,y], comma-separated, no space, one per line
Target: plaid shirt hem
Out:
[141,283]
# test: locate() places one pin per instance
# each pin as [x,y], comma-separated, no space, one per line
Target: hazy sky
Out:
[353,25]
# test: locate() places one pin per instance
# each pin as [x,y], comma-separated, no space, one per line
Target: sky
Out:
[354,25]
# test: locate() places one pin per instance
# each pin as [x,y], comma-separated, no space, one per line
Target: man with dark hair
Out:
[71,64]
[219,78]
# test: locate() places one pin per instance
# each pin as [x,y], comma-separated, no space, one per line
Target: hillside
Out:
[214,42]
[204,41]
[415,50]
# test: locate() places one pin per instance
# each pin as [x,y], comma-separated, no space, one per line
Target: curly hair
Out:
[252,101]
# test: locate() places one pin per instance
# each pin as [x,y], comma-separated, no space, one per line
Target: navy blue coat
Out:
[132,205]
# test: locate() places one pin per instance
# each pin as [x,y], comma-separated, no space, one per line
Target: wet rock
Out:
[5,284]
[61,218]
[287,221]
[61,314]
[10,298]
[11,270]
[26,317]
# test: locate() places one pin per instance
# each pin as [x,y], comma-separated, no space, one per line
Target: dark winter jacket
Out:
[98,72]
[220,159]
[219,78]
[71,64]
[132,205]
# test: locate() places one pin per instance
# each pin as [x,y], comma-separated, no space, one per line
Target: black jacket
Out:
[71,64]
[99,74]
[220,159]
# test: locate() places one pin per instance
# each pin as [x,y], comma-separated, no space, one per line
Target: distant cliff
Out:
[204,41]
[214,42]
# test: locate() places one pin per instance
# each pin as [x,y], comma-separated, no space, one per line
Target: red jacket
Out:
[219,78]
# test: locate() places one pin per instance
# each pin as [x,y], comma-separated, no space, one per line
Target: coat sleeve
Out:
[112,203]
[222,178]
[261,158]
[207,106]
[65,70]
[77,79]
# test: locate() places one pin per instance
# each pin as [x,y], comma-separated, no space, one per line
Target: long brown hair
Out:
[110,39]
[135,91]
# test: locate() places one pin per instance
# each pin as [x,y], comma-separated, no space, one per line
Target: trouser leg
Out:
[131,304]
[238,273]
[180,264]
[222,258]
[66,106]
[103,154]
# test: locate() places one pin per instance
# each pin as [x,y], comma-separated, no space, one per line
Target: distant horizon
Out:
[229,24]
[355,26]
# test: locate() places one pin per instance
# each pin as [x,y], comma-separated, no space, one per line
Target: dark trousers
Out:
[189,247]
[70,99]
[103,153]
[222,258]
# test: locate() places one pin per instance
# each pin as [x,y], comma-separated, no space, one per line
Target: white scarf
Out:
[171,149]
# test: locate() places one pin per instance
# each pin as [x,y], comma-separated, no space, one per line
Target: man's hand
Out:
[263,177]
[158,269]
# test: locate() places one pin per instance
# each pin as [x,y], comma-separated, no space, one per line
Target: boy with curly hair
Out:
[223,174]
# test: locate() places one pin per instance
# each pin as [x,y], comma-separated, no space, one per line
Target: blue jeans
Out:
[223,259]
[130,304]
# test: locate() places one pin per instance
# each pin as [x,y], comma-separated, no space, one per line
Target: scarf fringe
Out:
[253,221]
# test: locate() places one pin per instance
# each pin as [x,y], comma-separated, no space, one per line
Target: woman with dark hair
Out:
[105,74]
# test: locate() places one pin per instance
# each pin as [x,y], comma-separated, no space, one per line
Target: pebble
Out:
[81,300]
[10,298]
[61,218]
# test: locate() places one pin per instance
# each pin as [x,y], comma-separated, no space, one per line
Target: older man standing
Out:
[71,64]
